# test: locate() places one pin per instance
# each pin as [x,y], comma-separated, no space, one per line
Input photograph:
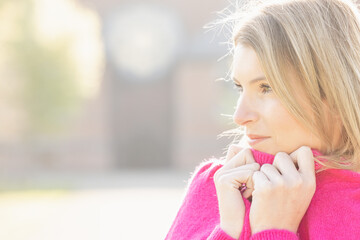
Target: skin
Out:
[262,113]
[281,192]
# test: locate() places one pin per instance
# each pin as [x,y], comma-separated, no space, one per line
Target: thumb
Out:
[249,185]
[248,192]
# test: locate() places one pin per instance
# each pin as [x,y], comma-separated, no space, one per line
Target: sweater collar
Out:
[263,157]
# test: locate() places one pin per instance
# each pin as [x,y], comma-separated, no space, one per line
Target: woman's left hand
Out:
[282,193]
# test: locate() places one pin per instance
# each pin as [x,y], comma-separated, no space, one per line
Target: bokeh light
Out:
[143,39]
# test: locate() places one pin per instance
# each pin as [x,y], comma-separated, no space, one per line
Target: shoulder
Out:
[206,169]
[338,178]
[203,173]
[340,186]
[335,205]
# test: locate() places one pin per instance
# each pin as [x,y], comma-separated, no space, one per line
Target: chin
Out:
[262,147]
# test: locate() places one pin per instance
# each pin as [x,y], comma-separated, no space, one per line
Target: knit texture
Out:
[334,211]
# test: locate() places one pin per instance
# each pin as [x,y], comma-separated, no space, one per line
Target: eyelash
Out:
[265,88]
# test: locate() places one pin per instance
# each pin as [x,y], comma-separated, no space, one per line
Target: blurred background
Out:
[106,108]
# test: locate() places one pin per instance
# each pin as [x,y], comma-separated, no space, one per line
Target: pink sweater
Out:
[334,211]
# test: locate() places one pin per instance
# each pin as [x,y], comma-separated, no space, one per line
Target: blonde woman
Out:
[297,66]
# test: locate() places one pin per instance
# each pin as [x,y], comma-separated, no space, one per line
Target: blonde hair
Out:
[319,41]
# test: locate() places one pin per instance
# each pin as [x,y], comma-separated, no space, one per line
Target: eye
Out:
[238,87]
[265,88]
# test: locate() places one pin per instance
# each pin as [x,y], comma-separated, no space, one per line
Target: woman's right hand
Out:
[238,169]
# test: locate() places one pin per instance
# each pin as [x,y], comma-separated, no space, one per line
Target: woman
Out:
[297,66]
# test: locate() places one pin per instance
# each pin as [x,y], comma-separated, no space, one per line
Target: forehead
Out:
[246,65]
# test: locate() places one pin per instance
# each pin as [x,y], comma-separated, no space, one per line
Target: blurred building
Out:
[158,103]
[165,111]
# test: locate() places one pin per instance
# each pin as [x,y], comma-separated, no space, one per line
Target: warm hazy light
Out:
[58,21]
[143,39]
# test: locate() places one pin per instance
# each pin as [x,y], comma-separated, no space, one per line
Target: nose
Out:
[245,112]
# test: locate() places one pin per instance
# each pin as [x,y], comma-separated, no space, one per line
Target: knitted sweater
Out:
[334,211]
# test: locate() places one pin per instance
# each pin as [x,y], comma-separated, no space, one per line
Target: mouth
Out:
[255,139]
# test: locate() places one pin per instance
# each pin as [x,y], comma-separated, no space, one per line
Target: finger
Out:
[232,151]
[271,173]
[235,179]
[259,179]
[285,165]
[239,170]
[305,160]
[248,192]
[252,166]
[249,186]
[243,157]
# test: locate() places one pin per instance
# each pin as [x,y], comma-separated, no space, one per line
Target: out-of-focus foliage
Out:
[50,91]
[47,81]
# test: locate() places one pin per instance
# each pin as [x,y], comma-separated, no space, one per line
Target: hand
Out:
[282,193]
[237,170]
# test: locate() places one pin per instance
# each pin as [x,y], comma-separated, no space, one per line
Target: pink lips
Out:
[255,139]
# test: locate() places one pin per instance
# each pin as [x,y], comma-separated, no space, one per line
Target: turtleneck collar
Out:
[263,157]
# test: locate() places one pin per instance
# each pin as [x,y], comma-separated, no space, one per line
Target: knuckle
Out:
[281,156]
[297,182]
[255,174]
[256,165]
[282,159]
[265,166]
[221,180]
[280,182]
[305,148]
[267,188]
[260,185]
[234,148]
[247,151]
[232,151]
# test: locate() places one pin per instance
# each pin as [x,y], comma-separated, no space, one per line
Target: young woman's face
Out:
[269,126]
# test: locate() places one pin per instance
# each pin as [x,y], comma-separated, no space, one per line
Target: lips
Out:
[253,136]
[255,139]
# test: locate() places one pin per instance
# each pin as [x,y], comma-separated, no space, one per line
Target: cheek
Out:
[284,129]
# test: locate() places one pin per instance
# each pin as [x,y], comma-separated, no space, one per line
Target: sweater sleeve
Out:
[198,216]
[274,234]
[334,211]
[219,234]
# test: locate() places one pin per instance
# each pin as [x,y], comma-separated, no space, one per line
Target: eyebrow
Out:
[252,81]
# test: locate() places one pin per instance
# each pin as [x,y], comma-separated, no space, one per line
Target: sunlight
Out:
[58,21]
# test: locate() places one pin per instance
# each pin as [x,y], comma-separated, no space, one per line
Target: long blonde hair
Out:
[319,41]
